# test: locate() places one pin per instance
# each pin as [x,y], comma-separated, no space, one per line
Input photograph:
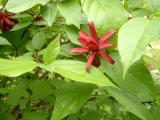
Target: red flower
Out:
[6,22]
[94,46]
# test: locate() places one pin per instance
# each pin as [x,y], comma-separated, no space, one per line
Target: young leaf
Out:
[17,6]
[132,48]
[71,11]
[106,14]
[70,100]
[48,12]
[38,40]
[75,70]
[52,51]
[17,66]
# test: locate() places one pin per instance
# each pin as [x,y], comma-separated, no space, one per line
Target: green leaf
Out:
[75,70]
[71,11]
[17,66]
[155,111]
[21,25]
[138,76]
[38,40]
[153,5]
[143,31]
[52,51]
[130,102]
[4,41]
[18,95]
[17,6]
[133,4]
[106,14]
[141,80]
[70,100]
[72,33]
[32,115]
[151,62]
[49,12]
[40,89]
[6,116]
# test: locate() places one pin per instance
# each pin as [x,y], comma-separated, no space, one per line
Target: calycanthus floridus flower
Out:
[6,21]
[94,46]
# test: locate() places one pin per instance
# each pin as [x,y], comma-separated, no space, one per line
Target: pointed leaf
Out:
[143,31]
[75,70]
[49,12]
[52,51]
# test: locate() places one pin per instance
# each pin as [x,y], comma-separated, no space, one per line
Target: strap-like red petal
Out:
[7,21]
[106,56]
[79,50]
[83,41]
[85,36]
[106,36]
[92,30]
[105,44]
[89,61]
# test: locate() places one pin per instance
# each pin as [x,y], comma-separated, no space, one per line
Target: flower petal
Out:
[7,21]
[82,41]
[105,44]
[92,46]
[96,61]
[92,30]
[106,36]
[89,61]
[85,36]
[106,56]
[79,50]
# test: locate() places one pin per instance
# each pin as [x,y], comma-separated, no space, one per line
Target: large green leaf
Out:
[17,6]
[107,14]
[130,102]
[17,66]
[75,70]
[70,100]
[134,37]
[52,51]
[48,12]
[138,76]
[71,11]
